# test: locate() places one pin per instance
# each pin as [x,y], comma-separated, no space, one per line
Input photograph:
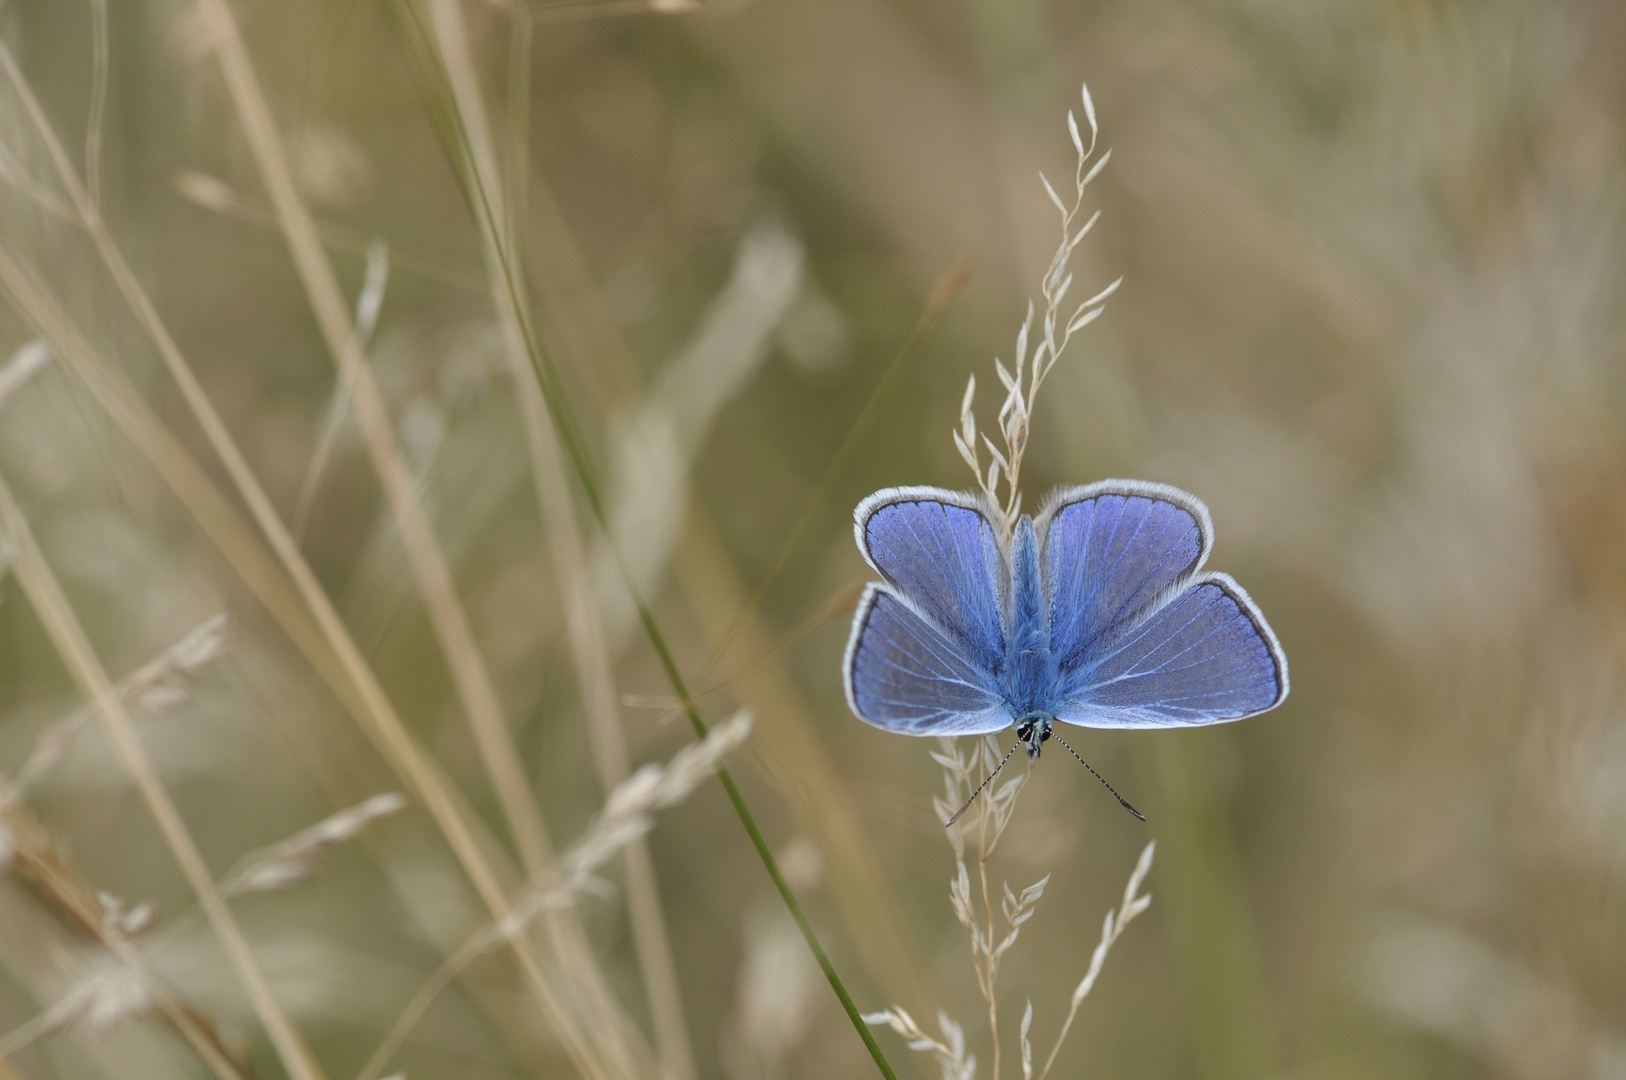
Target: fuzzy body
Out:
[1028,679]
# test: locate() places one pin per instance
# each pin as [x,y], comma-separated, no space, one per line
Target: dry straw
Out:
[62,625]
[627,815]
[160,685]
[535,923]
[497,196]
[284,865]
[124,985]
[311,617]
[358,685]
[440,45]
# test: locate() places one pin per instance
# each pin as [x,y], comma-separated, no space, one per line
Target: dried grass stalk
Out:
[48,601]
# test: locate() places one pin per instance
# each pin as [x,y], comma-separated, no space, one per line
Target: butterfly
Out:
[1095,613]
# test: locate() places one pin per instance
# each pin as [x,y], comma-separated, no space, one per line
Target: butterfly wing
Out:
[939,550]
[1112,550]
[925,644]
[1204,657]
[904,674]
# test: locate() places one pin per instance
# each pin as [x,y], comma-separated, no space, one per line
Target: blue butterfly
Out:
[1095,613]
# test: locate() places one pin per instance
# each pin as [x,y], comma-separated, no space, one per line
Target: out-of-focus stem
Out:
[46,597]
[566,552]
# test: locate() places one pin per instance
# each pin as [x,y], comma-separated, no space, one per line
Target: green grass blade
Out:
[420,46]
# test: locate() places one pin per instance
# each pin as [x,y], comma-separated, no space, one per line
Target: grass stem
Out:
[584,627]
[615,1035]
[488,216]
[328,644]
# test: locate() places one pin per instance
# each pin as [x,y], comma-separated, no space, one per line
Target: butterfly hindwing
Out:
[939,549]
[1111,551]
[904,674]
[1205,656]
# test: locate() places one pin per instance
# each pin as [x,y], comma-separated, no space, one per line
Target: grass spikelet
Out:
[46,597]
[160,685]
[369,302]
[98,1002]
[28,361]
[949,1049]
[1112,927]
[655,448]
[284,865]
[627,815]
[777,995]
[33,856]
[974,913]
[1057,325]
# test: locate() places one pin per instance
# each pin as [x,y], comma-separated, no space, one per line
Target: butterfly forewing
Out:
[905,675]
[1112,550]
[1204,657]
[939,550]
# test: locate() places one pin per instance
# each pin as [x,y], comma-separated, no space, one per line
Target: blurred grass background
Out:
[1373,259]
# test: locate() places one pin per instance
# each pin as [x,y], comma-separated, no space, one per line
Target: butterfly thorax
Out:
[1028,678]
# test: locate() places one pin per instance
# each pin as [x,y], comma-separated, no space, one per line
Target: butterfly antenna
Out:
[949,824]
[1093,773]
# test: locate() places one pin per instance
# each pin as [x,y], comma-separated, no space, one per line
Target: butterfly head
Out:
[1033,729]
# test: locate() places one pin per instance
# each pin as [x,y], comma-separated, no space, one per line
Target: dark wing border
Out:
[1278,655]
[965,500]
